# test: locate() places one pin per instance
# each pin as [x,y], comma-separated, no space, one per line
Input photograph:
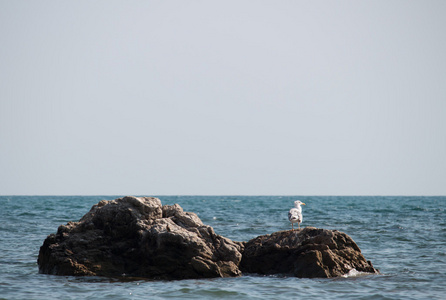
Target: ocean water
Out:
[404,237]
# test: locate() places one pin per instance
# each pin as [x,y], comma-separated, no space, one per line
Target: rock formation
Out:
[138,237]
[309,253]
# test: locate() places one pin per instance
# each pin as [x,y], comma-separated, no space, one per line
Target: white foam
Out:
[354,273]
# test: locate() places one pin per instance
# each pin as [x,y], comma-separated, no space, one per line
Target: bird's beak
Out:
[303,203]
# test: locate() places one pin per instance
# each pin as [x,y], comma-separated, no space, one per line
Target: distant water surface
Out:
[404,237]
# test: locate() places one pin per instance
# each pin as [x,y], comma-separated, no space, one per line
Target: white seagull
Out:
[295,214]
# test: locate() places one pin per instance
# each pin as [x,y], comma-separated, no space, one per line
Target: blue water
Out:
[404,237]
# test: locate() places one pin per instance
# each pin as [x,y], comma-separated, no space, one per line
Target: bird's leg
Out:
[298,225]
[292,227]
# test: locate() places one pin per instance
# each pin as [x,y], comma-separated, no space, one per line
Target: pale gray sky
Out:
[223,97]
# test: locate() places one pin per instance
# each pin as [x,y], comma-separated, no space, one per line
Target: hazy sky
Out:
[223,97]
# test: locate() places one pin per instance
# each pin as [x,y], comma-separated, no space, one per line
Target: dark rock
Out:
[309,253]
[139,237]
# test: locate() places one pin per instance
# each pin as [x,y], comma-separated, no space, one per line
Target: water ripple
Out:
[404,237]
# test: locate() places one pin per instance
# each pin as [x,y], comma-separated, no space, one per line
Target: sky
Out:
[222,97]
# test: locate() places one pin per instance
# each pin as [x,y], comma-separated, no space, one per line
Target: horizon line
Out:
[225,195]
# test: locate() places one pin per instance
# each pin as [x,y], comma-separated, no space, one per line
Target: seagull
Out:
[295,214]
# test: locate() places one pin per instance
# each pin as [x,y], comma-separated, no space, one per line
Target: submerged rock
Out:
[308,253]
[139,237]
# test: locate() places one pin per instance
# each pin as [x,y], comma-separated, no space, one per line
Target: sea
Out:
[404,237]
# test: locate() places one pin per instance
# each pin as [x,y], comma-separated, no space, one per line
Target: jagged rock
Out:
[308,253]
[139,237]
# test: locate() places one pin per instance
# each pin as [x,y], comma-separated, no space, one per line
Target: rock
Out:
[138,237]
[308,253]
